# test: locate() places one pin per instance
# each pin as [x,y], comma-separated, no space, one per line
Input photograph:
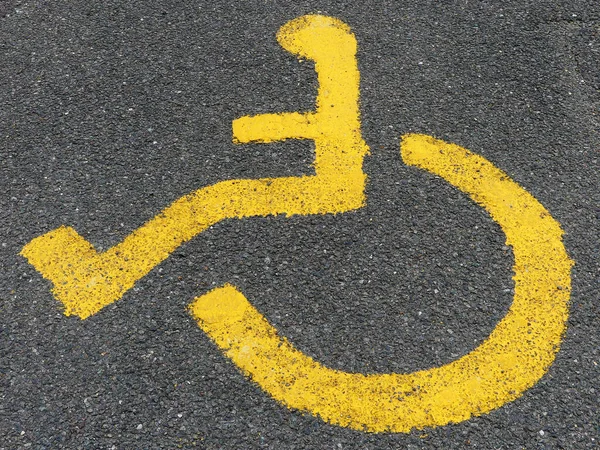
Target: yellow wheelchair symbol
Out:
[512,359]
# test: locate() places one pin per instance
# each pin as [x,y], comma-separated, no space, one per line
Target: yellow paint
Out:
[516,354]
[85,281]
[514,357]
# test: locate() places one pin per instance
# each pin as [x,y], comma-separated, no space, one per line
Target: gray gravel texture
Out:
[109,111]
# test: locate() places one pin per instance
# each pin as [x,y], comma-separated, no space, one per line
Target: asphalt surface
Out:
[110,111]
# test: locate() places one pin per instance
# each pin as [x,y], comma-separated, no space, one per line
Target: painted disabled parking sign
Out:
[512,359]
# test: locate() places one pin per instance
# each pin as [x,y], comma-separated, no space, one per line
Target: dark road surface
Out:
[110,111]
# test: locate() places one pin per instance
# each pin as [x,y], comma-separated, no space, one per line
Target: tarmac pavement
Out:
[111,111]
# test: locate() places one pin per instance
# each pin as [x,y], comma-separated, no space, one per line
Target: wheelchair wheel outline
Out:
[512,359]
